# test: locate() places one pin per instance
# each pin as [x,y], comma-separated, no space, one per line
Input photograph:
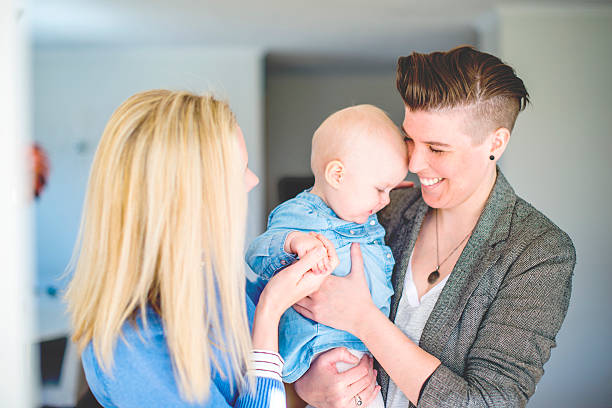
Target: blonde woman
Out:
[157,299]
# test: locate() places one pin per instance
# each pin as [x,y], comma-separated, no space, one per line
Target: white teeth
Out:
[430,181]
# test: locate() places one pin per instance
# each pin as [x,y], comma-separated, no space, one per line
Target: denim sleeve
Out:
[266,255]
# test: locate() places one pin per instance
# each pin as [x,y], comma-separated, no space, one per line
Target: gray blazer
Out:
[496,319]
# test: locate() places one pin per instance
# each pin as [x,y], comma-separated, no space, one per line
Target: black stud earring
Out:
[491,157]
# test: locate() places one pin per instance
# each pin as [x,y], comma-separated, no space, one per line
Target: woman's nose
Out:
[416,160]
[251,180]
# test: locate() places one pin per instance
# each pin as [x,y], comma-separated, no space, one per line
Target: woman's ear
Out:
[499,141]
[334,173]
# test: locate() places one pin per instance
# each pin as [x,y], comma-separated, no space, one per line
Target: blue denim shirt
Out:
[301,339]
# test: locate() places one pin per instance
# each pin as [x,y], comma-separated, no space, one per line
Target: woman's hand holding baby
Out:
[341,302]
[323,386]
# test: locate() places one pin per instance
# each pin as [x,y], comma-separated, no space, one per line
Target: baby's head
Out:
[358,156]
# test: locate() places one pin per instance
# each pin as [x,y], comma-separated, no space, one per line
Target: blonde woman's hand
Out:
[301,278]
[287,287]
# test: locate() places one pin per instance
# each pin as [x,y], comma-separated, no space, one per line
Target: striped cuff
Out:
[267,364]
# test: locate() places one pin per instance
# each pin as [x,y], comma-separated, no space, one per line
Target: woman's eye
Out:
[435,150]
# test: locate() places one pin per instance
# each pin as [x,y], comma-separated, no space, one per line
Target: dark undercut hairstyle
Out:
[467,78]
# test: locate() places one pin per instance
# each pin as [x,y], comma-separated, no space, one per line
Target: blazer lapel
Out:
[402,244]
[479,254]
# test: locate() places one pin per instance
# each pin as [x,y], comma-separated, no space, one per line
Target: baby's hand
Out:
[300,243]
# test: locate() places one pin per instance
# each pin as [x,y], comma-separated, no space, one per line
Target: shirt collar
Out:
[318,203]
[323,209]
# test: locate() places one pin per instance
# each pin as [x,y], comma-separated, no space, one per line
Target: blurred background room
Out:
[284,66]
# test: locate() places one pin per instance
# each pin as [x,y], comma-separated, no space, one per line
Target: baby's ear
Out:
[334,173]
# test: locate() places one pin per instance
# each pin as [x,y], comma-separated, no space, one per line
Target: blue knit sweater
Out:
[142,374]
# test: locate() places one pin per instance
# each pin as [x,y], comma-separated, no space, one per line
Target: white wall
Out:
[17,385]
[75,92]
[559,160]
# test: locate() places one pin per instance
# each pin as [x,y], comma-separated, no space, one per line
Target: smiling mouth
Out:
[430,181]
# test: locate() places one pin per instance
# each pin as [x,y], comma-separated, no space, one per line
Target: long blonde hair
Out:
[163,225]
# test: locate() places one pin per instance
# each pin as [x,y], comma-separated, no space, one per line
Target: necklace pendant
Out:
[433,277]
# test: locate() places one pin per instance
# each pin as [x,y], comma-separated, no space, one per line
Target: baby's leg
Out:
[342,367]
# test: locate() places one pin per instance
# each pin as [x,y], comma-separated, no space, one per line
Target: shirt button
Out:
[352,232]
[372,222]
[388,256]
[283,262]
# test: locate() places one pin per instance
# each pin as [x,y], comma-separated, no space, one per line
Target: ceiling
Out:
[286,29]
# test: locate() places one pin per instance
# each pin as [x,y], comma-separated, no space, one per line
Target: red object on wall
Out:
[39,163]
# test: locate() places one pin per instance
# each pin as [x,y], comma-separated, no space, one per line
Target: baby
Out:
[358,156]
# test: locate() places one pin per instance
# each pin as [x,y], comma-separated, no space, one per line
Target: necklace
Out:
[433,276]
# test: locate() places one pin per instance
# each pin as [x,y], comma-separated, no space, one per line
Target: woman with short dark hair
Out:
[482,279]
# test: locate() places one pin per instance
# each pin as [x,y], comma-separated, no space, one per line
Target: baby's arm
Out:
[277,248]
[266,255]
[299,243]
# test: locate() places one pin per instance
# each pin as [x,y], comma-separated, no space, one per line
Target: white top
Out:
[412,314]
[268,364]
